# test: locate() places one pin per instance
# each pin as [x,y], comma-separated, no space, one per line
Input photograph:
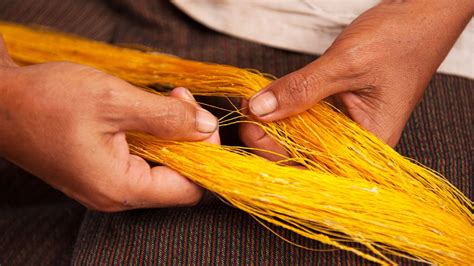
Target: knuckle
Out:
[251,135]
[190,196]
[178,118]
[299,87]
[107,89]
[354,62]
[109,101]
[193,198]
[107,92]
[351,57]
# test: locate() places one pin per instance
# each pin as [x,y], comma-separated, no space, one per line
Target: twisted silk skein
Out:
[351,187]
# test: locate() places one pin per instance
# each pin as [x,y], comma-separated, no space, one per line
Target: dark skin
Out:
[71,131]
[376,71]
[66,123]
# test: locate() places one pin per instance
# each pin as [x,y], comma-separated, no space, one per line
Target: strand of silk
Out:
[420,216]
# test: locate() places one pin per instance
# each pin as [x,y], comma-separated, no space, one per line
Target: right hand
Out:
[376,71]
[66,124]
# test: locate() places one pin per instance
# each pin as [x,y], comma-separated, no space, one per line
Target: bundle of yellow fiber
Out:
[354,188]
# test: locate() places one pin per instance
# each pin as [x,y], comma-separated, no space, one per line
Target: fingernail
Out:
[189,94]
[263,104]
[205,121]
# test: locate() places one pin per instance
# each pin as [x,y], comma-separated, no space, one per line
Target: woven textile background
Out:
[39,225]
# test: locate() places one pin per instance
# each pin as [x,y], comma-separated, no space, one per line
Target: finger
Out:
[296,92]
[5,59]
[185,94]
[255,137]
[387,126]
[170,188]
[167,117]
[157,187]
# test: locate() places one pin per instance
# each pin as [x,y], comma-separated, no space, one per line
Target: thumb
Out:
[297,91]
[167,117]
[5,59]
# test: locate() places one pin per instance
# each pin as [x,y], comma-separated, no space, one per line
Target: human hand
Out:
[66,123]
[375,71]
